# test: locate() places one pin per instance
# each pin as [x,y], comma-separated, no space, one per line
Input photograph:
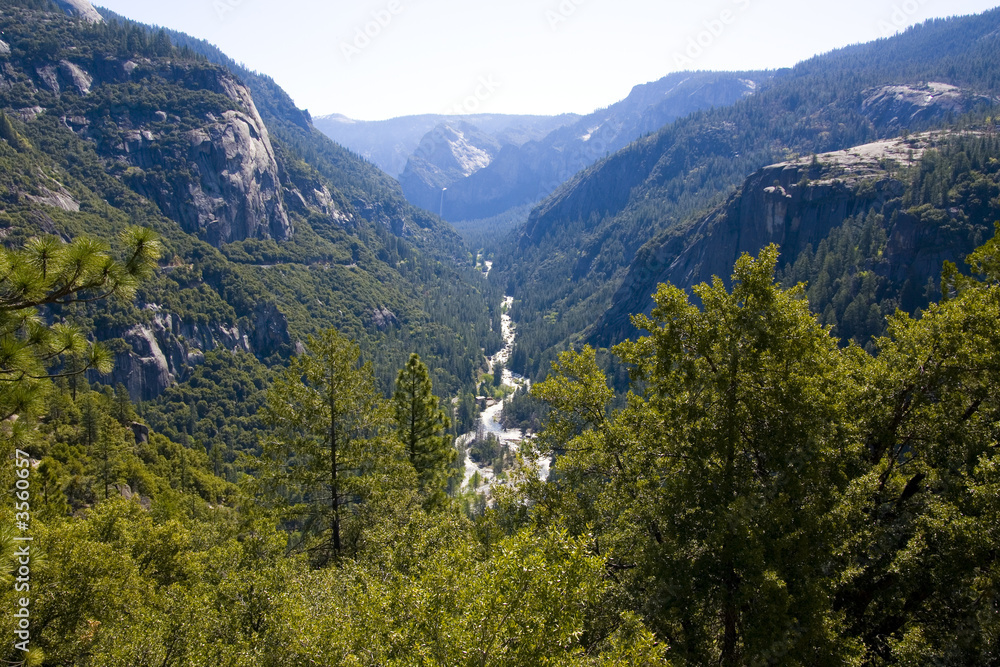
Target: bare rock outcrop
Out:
[383,318]
[893,108]
[224,183]
[79,77]
[233,192]
[165,350]
[143,369]
[64,75]
[151,356]
[791,204]
[81,9]
[269,329]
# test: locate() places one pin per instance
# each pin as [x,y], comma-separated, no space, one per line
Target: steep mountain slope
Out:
[908,206]
[526,174]
[571,256]
[390,143]
[370,191]
[271,230]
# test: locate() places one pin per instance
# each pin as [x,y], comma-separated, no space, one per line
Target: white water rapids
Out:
[490,417]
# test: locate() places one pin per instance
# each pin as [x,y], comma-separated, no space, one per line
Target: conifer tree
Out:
[716,481]
[498,374]
[122,409]
[329,443]
[47,271]
[423,427]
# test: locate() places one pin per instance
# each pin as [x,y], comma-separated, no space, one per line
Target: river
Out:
[490,417]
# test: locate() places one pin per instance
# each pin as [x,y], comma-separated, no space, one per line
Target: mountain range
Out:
[600,243]
[249,390]
[479,167]
[284,230]
[299,231]
[389,144]
[272,231]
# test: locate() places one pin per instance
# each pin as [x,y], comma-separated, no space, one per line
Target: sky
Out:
[377,59]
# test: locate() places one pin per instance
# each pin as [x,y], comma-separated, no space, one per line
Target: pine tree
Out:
[104,439]
[423,427]
[330,441]
[498,374]
[122,408]
[47,271]
[49,482]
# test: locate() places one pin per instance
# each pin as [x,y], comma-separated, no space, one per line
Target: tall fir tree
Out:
[330,444]
[423,427]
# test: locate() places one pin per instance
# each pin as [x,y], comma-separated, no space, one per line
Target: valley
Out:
[705,376]
[489,425]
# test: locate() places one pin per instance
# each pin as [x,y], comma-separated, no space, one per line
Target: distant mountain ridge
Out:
[527,173]
[389,143]
[565,265]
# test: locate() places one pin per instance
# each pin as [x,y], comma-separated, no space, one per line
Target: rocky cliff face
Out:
[894,108]
[232,191]
[152,356]
[449,153]
[214,172]
[80,9]
[791,204]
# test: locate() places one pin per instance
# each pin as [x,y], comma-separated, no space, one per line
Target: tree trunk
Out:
[334,488]
[730,613]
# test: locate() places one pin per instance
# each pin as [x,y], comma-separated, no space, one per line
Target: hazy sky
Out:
[374,59]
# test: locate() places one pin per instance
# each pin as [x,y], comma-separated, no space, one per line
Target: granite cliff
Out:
[165,348]
[795,204]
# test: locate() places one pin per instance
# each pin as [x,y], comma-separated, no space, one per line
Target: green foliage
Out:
[370,254]
[761,496]
[715,479]
[226,391]
[486,450]
[45,272]
[924,546]
[119,586]
[523,411]
[769,494]
[422,427]
[329,447]
[10,134]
